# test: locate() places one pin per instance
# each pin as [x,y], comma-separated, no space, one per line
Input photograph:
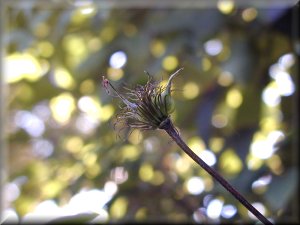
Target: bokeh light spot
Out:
[114,74]
[260,185]
[182,165]
[89,159]
[62,107]
[260,207]
[249,14]
[285,84]
[63,79]
[170,63]
[86,123]
[253,162]
[214,208]
[234,98]
[73,144]
[230,163]
[225,79]
[271,95]
[216,144]
[119,208]
[146,172]
[219,120]
[130,152]
[42,148]
[262,149]
[87,10]
[286,61]
[52,188]
[228,211]
[87,87]
[157,48]
[118,59]
[135,137]
[45,49]
[141,214]
[119,175]
[213,47]
[191,90]
[206,64]
[275,164]
[225,6]
[89,105]
[11,192]
[200,215]
[158,178]
[110,188]
[208,157]
[107,112]
[196,144]
[20,66]
[75,45]
[31,123]
[195,185]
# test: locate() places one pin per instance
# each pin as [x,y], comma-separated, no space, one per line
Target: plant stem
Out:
[168,126]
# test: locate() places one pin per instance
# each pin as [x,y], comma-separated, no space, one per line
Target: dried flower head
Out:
[144,107]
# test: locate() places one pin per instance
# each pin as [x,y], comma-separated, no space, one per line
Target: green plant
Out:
[148,107]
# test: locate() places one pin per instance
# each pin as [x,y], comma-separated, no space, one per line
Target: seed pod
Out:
[145,107]
[166,94]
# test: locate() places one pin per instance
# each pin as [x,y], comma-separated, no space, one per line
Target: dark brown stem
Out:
[170,129]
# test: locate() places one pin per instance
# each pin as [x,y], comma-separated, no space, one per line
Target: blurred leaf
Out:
[282,189]
[75,219]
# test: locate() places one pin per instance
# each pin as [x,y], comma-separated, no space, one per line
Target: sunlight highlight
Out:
[234,98]
[157,48]
[118,59]
[214,208]
[191,90]
[31,123]
[62,107]
[230,162]
[228,211]
[20,66]
[225,79]
[263,148]
[208,157]
[90,105]
[195,185]
[260,207]
[271,96]
[213,47]
[63,79]
[225,6]
[146,172]
[260,185]
[287,61]
[249,14]
[170,63]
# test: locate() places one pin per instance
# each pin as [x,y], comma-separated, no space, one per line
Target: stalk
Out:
[168,126]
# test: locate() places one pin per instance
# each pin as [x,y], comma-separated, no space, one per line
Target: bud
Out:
[166,94]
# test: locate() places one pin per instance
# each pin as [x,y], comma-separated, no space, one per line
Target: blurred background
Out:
[235,106]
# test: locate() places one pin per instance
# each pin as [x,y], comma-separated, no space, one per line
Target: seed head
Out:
[145,107]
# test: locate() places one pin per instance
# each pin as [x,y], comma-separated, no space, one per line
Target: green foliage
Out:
[60,135]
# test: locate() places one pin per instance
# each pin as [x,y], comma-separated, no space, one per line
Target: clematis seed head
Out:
[144,107]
